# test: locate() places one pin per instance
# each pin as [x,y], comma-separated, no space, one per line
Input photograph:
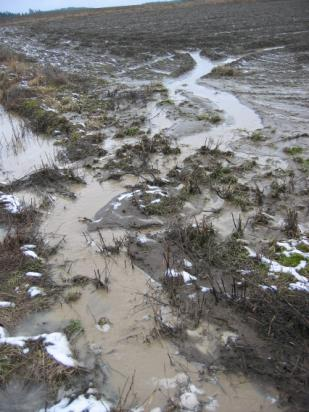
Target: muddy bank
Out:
[280,98]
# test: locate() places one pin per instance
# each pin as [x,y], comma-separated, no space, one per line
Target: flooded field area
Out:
[154,236]
[22,151]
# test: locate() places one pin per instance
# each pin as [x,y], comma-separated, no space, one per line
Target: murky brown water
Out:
[128,348]
[22,151]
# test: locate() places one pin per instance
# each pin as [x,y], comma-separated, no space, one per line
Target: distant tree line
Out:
[8,14]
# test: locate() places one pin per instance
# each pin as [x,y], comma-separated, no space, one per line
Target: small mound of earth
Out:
[122,212]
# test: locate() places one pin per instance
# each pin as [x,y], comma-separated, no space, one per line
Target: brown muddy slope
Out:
[228,27]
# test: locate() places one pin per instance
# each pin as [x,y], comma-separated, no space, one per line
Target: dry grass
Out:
[225,71]
[37,365]
[279,317]
[291,226]
[49,176]
[22,229]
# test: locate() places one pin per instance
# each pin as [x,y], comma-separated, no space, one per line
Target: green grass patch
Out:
[166,102]
[291,261]
[293,150]
[303,247]
[213,118]
[132,131]
[166,206]
[257,136]
[43,121]
[225,71]
[73,329]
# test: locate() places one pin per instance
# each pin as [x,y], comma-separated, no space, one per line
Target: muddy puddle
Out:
[128,347]
[237,117]
[21,151]
[120,339]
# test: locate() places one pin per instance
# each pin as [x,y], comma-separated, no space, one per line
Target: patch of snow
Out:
[11,203]
[34,274]
[56,344]
[271,399]
[194,389]
[285,245]
[245,272]
[58,347]
[180,379]
[3,332]
[273,288]
[143,239]
[175,274]
[212,404]
[153,187]
[301,286]
[14,340]
[187,264]
[104,328]
[35,291]
[27,247]
[156,192]
[48,109]
[5,304]
[116,205]
[290,247]
[276,267]
[204,289]
[80,404]
[97,221]
[228,336]
[155,201]
[189,401]
[125,196]
[30,253]
[187,277]
[251,252]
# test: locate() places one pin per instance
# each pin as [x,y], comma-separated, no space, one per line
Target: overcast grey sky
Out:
[24,5]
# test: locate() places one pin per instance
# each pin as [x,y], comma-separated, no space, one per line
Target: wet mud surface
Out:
[168,167]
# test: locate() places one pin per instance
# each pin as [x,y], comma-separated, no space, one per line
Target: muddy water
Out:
[21,151]
[237,116]
[129,346]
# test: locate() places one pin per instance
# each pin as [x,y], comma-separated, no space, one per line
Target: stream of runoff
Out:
[237,116]
[125,348]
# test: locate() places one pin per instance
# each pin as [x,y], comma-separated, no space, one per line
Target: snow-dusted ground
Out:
[11,203]
[275,268]
[56,344]
[82,403]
